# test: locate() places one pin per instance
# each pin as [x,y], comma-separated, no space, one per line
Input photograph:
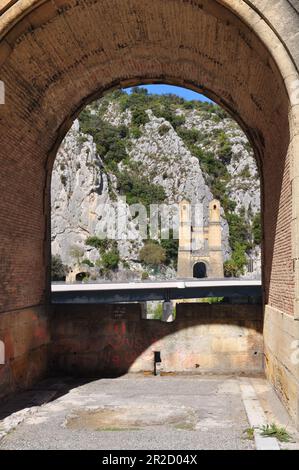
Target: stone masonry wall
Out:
[26,339]
[111,340]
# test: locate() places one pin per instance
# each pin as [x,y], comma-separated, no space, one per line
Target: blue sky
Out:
[182,92]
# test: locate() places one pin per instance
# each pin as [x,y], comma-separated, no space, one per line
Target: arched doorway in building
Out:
[200,270]
[81,276]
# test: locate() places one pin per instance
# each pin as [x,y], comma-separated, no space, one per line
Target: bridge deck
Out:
[116,292]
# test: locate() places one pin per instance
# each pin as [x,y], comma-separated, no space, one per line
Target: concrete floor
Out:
[134,412]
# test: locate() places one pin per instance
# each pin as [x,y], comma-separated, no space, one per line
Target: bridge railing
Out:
[232,291]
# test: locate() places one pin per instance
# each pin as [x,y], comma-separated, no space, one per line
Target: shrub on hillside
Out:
[110,260]
[152,254]
[171,247]
[234,267]
[58,269]
[139,117]
[76,252]
[163,130]
[257,229]
[138,189]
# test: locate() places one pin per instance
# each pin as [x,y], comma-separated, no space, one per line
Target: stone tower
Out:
[200,248]
[184,255]
[215,245]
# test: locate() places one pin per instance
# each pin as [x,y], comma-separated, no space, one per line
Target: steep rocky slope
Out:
[150,149]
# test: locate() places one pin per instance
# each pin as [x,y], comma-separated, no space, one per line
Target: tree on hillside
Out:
[58,269]
[77,253]
[171,247]
[152,254]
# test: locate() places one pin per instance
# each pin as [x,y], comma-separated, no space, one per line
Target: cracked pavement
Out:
[131,412]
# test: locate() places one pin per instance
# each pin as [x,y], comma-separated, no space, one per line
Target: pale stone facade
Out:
[200,248]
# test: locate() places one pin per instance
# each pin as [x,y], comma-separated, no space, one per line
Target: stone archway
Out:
[81,276]
[200,270]
[56,56]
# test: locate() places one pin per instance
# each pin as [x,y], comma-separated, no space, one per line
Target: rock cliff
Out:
[149,149]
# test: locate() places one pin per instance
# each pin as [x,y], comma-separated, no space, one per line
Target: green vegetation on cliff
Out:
[58,269]
[213,151]
[152,254]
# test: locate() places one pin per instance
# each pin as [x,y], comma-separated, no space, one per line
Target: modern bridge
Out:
[118,292]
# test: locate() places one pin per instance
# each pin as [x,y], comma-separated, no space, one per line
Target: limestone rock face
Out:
[81,204]
[170,164]
[244,186]
[84,194]
[79,196]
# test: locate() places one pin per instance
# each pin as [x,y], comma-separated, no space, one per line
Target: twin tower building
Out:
[200,248]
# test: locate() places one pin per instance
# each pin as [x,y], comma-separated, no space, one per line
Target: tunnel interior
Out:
[254,94]
[54,60]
